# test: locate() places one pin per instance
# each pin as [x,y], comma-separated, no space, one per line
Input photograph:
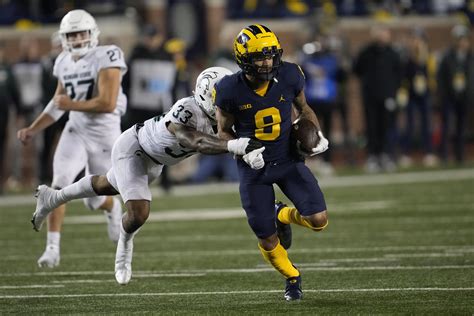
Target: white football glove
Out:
[242,146]
[255,158]
[322,146]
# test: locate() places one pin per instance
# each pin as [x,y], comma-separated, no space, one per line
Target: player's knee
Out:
[269,243]
[319,221]
[138,212]
[101,185]
[94,203]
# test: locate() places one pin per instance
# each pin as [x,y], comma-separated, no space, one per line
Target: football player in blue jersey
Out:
[257,103]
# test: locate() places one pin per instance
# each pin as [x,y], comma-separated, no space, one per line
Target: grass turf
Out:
[402,248]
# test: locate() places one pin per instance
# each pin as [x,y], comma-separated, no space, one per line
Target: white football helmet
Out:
[78,21]
[204,88]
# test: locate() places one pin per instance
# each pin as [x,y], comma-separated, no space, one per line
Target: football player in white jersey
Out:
[138,157]
[89,87]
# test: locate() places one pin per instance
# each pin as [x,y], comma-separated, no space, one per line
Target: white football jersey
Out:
[157,141]
[80,80]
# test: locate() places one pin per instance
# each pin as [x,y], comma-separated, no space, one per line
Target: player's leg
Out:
[258,203]
[69,160]
[99,162]
[137,214]
[130,175]
[301,187]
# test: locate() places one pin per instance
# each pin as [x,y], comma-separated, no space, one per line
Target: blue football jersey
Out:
[264,118]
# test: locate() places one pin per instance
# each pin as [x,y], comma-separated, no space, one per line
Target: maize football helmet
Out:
[204,92]
[78,21]
[257,42]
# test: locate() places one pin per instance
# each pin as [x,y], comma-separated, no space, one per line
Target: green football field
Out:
[395,244]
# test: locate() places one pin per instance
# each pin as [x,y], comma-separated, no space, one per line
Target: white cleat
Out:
[43,206]
[123,261]
[114,220]
[50,257]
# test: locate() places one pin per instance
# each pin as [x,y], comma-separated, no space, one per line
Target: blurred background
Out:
[392,82]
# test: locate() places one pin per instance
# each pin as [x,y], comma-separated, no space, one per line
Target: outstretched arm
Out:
[41,122]
[225,122]
[208,144]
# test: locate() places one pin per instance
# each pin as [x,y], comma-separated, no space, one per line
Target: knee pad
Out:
[94,203]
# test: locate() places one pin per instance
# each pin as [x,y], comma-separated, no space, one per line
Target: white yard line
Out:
[329,182]
[32,286]
[409,289]
[237,252]
[249,270]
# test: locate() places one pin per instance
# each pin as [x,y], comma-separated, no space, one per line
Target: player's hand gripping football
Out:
[322,146]
[242,146]
[255,158]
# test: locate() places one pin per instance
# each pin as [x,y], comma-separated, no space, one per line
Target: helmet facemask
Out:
[76,24]
[78,47]
[250,68]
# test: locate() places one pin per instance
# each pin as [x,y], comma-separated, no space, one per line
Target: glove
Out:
[322,146]
[255,158]
[242,146]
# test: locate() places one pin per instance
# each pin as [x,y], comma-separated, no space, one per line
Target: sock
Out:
[290,215]
[126,236]
[80,189]
[53,239]
[278,258]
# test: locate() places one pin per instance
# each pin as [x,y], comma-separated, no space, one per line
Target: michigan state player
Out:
[89,87]
[138,156]
[257,103]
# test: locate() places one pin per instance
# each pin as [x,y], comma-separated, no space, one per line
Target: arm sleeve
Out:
[52,110]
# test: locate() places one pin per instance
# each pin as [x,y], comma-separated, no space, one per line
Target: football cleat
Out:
[43,206]
[283,230]
[114,220]
[50,257]
[123,261]
[293,290]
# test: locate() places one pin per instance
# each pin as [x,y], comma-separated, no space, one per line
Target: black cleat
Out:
[283,230]
[293,290]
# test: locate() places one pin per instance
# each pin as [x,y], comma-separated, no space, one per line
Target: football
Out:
[304,131]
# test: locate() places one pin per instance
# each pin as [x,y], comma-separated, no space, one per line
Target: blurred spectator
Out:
[323,74]
[416,78]
[8,96]
[220,167]
[177,48]
[455,85]
[150,83]
[269,8]
[28,75]
[52,133]
[378,68]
